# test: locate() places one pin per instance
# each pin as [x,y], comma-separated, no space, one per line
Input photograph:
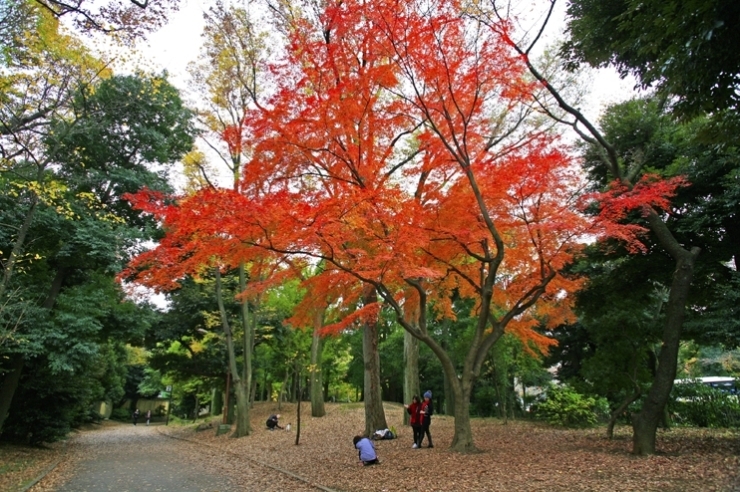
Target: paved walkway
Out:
[130,458]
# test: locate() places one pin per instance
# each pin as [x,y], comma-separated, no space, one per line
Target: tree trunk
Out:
[242,410]
[283,389]
[645,423]
[248,344]
[253,393]
[227,399]
[462,441]
[242,403]
[317,383]
[449,406]
[298,419]
[411,370]
[9,385]
[18,246]
[374,413]
[217,402]
[619,411]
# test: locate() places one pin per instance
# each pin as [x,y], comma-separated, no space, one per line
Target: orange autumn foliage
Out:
[377,155]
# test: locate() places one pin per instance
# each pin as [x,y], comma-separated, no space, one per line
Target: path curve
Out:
[127,458]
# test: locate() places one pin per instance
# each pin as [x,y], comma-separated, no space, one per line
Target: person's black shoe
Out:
[430,446]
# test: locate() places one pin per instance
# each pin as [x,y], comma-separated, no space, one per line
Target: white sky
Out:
[178,43]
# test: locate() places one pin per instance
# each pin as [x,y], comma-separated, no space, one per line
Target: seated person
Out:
[367,450]
[272,422]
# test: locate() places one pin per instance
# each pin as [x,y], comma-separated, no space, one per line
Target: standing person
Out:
[414,410]
[135,416]
[367,450]
[272,422]
[427,410]
[148,416]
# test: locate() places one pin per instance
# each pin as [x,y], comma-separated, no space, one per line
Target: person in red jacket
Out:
[414,410]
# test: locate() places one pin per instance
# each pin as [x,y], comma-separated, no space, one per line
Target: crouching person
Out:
[273,422]
[367,450]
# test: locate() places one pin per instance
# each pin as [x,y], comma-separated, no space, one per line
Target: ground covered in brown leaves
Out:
[21,465]
[514,456]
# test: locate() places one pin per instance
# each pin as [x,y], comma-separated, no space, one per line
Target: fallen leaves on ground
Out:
[514,456]
[21,465]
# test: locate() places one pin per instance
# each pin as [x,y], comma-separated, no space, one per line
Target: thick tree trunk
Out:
[374,413]
[9,385]
[462,441]
[645,423]
[242,402]
[317,383]
[410,370]
[242,409]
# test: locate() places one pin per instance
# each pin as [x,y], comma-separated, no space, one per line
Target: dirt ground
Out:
[514,456]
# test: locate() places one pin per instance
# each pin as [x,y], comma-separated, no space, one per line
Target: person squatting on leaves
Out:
[366,450]
[414,410]
[427,410]
[272,422]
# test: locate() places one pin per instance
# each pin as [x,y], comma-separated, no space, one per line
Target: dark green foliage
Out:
[48,405]
[700,405]
[63,309]
[687,48]
[567,408]
[612,350]
[121,414]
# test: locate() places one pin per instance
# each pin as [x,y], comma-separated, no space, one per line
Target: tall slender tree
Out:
[631,190]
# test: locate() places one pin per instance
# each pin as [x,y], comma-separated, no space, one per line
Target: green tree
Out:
[686,49]
[72,229]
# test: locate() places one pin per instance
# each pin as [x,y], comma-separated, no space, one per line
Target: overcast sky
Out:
[178,43]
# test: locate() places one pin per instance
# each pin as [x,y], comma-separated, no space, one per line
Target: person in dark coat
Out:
[414,410]
[427,410]
[272,422]
[135,416]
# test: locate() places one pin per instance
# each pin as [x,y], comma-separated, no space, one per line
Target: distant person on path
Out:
[135,416]
[148,416]
[367,450]
[272,422]
[427,410]
[414,410]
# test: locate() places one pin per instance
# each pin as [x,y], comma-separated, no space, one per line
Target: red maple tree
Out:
[393,151]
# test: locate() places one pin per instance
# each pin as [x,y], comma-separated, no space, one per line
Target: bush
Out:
[699,405]
[567,408]
[121,414]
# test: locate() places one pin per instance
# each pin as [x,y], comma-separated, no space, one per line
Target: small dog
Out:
[287,427]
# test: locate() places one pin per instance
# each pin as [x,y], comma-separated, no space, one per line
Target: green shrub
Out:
[699,405]
[567,408]
[121,414]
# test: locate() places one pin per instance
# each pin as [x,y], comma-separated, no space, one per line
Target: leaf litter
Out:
[514,456]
